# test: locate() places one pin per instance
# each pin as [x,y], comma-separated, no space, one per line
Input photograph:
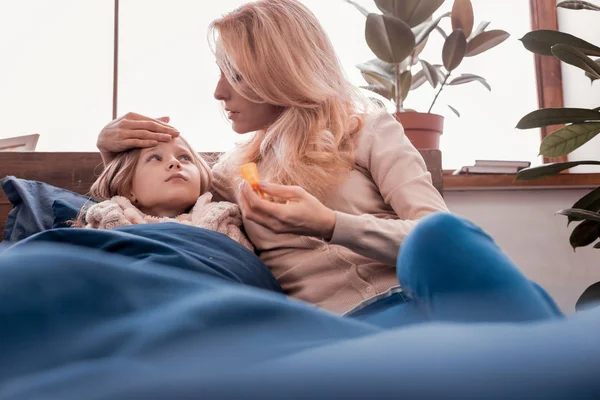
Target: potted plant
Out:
[581,124]
[398,35]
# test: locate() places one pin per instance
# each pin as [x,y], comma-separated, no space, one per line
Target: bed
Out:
[168,313]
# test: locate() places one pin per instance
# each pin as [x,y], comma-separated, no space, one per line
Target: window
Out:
[167,68]
[56,71]
[58,81]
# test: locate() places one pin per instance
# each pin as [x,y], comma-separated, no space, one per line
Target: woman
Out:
[353,185]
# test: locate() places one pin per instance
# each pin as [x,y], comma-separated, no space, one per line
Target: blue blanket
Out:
[175,312]
[172,245]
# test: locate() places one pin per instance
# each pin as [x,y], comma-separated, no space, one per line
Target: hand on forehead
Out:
[173,143]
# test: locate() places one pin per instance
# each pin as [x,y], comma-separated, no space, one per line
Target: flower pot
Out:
[422,129]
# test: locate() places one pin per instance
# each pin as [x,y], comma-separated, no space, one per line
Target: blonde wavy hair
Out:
[287,60]
[117,177]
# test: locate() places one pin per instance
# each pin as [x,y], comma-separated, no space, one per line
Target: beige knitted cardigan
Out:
[222,216]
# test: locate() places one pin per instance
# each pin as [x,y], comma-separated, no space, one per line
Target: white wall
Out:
[577,89]
[523,223]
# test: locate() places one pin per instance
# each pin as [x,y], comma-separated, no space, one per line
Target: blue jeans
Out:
[451,270]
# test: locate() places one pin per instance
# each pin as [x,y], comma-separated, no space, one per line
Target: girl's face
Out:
[245,115]
[166,181]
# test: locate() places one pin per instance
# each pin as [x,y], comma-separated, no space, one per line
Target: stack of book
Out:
[493,167]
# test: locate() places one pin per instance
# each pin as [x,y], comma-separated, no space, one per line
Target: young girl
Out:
[165,183]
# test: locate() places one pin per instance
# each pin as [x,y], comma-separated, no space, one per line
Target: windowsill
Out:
[508,182]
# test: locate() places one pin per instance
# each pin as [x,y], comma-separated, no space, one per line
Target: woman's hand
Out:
[302,213]
[133,130]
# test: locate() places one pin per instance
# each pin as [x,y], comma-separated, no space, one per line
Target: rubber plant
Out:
[581,125]
[398,35]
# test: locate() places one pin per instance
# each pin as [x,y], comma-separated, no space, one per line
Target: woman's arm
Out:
[130,131]
[403,181]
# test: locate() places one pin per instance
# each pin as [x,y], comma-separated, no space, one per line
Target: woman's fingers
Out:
[282,191]
[144,135]
[139,117]
[165,121]
[132,143]
[253,214]
[134,130]
[255,203]
[148,125]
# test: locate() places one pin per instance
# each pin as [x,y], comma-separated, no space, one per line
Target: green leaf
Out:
[421,33]
[429,28]
[413,12]
[378,67]
[580,214]
[589,202]
[419,28]
[381,90]
[389,38]
[417,51]
[550,169]
[430,73]
[584,234]
[573,56]
[480,28]
[360,8]
[578,5]
[462,16]
[541,42]
[418,80]
[405,83]
[441,74]
[485,41]
[454,50]
[565,140]
[376,80]
[466,78]
[557,116]
[593,77]
[454,110]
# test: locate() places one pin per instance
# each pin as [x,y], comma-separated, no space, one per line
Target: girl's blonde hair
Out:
[286,59]
[117,177]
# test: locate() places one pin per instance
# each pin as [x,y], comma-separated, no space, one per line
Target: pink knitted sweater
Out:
[222,216]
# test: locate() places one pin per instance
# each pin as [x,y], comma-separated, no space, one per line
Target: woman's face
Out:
[245,115]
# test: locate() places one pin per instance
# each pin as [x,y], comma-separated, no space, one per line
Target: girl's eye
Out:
[237,78]
[185,157]
[154,157]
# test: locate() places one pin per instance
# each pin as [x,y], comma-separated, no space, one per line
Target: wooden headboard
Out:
[77,171]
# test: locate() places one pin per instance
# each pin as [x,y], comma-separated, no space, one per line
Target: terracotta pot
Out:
[422,129]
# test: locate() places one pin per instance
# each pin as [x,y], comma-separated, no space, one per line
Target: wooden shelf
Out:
[507,182]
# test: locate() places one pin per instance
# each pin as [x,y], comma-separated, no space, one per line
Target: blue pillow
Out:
[32,206]
[64,212]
